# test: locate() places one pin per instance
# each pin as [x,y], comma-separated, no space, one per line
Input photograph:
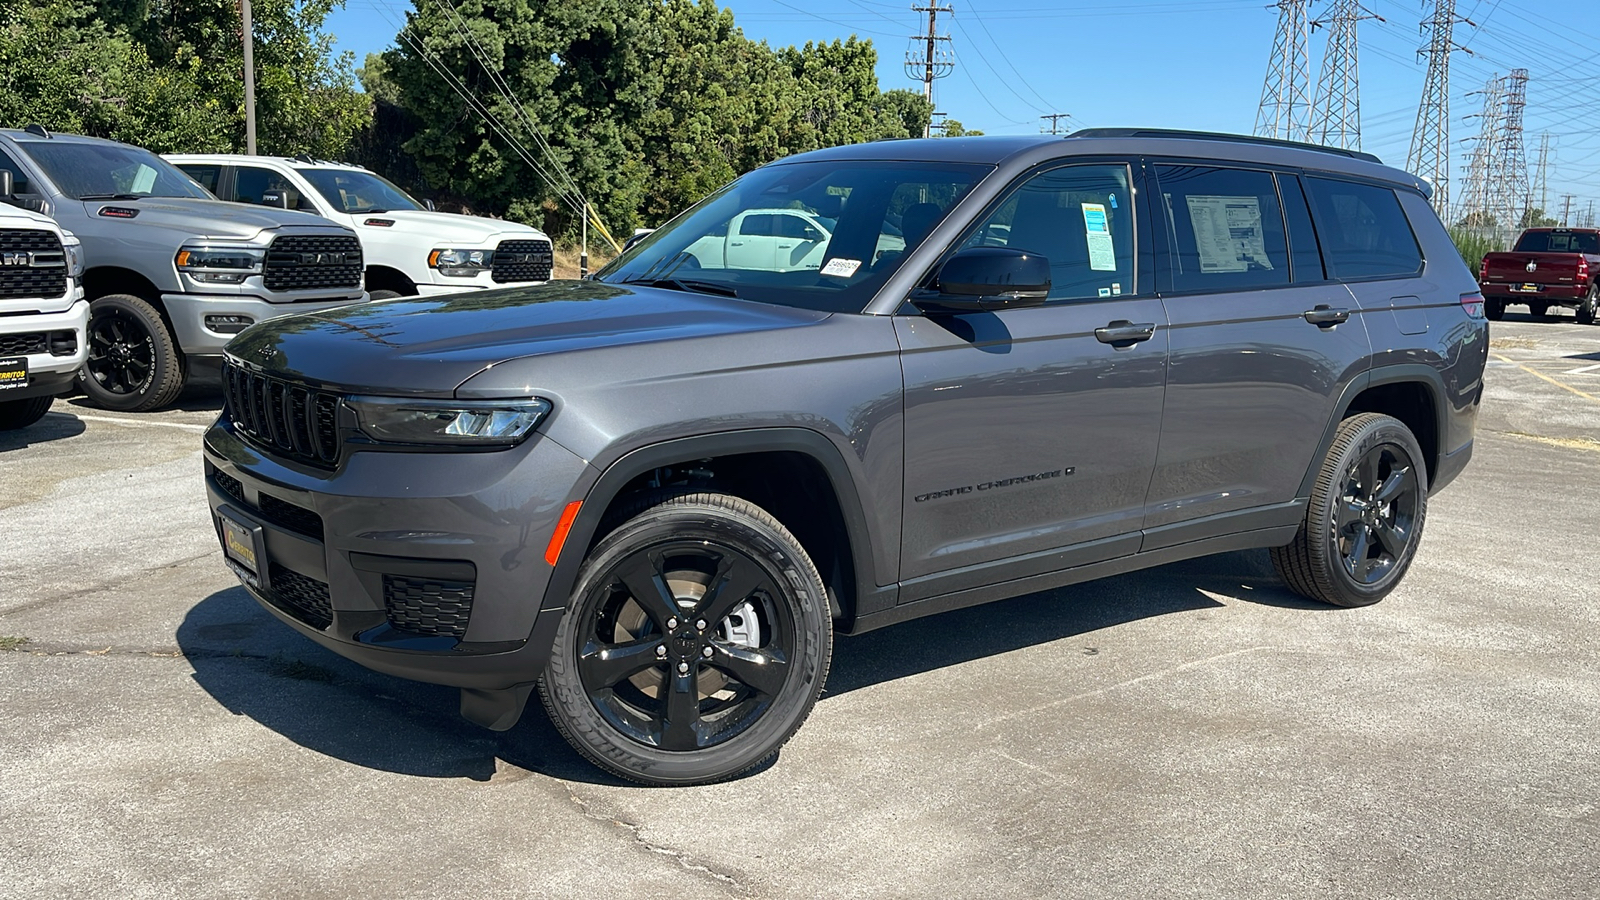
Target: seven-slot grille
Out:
[21,344]
[522,261]
[304,262]
[32,264]
[292,419]
[428,606]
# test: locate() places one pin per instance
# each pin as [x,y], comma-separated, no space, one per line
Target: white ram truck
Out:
[42,311]
[410,248]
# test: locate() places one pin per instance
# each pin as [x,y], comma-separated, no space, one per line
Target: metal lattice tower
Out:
[1429,156]
[1509,191]
[1284,105]
[1336,113]
[1475,207]
[1541,182]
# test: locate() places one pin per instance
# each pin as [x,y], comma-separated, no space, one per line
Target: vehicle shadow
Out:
[57,425]
[196,397]
[255,666]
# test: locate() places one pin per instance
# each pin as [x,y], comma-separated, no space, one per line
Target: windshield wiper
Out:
[690,285]
[375,209]
[113,196]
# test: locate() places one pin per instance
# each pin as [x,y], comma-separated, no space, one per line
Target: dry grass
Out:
[566,258]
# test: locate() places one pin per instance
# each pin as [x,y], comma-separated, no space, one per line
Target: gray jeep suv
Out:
[1016,363]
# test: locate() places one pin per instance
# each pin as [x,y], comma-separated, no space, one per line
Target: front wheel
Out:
[134,364]
[697,640]
[382,295]
[15,414]
[1364,522]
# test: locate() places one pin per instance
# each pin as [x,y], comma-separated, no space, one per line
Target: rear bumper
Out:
[1563,294]
[189,314]
[384,560]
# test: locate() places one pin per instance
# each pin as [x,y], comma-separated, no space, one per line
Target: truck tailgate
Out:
[1532,268]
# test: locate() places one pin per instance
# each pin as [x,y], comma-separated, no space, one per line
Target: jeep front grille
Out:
[303,262]
[522,261]
[32,264]
[288,418]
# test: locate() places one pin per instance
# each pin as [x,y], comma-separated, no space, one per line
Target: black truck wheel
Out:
[15,414]
[1587,306]
[1495,310]
[134,364]
[696,643]
[1364,521]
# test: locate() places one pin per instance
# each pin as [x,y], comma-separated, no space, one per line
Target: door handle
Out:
[1323,314]
[1123,333]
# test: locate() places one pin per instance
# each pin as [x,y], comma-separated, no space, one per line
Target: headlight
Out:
[461,422]
[461,263]
[74,251]
[219,265]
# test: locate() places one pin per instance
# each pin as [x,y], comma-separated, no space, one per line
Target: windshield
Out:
[355,191]
[106,171]
[1559,242]
[819,235]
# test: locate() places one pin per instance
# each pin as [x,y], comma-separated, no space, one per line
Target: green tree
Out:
[1536,218]
[954,128]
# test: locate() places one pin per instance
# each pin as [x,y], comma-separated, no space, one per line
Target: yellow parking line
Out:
[1546,378]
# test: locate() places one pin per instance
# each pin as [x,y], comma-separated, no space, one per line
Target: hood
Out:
[16,217]
[427,347]
[212,219]
[443,229]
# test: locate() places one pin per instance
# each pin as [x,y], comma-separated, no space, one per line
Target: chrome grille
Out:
[288,418]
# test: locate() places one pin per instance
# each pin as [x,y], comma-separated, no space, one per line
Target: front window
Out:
[355,191]
[85,171]
[817,235]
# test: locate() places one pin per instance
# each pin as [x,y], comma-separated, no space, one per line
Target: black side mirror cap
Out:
[988,278]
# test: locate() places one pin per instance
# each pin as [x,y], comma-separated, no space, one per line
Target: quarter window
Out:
[1080,218]
[1225,227]
[1364,231]
[205,174]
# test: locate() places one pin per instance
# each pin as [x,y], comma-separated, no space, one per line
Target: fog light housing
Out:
[228,324]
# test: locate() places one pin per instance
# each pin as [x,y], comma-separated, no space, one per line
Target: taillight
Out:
[1473,304]
[1483,270]
[1583,269]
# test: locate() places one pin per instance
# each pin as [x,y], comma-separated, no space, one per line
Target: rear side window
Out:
[760,225]
[1559,241]
[207,175]
[1364,232]
[1225,227]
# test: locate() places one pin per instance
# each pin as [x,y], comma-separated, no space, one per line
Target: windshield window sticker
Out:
[1227,233]
[1102,252]
[1116,289]
[838,267]
[1105,292]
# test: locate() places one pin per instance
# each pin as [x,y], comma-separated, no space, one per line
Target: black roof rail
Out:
[1218,136]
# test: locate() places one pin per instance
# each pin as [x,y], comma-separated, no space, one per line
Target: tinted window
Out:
[94,171]
[1303,252]
[1226,228]
[207,175]
[251,183]
[1080,218]
[1364,232]
[757,225]
[19,179]
[358,191]
[1559,241]
[796,227]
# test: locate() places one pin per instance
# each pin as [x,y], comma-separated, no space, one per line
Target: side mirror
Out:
[6,184]
[639,234]
[988,278]
[428,204]
[280,199]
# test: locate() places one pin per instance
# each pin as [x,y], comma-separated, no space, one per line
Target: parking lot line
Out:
[186,426]
[1547,378]
[1582,370]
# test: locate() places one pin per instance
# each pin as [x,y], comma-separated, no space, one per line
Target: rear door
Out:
[753,242]
[1262,342]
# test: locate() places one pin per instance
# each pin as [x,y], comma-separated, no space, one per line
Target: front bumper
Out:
[49,374]
[374,560]
[190,311]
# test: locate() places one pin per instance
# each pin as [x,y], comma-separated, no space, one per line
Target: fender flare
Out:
[1406,372]
[813,444]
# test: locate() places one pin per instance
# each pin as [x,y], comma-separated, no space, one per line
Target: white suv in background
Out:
[410,249]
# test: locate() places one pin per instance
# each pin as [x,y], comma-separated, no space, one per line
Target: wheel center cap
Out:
[686,640]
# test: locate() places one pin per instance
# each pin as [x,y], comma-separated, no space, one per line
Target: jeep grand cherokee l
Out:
[656,495]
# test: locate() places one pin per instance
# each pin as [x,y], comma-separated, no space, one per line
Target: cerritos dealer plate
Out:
[13,372]
[240,546]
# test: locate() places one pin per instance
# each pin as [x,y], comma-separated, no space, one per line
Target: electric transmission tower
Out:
[1430,140]
[1475,205]
[1541,181]
[1336,113]
[928,58]
[1284,106]
[1510,188]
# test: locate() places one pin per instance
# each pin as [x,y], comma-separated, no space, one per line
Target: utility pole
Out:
[249,38]
[935,61]
[1429,156]
[1055,121]
[1541,181]
[1283,95]
[938,126]
[1510,203]
[1566,209]
[1336,113]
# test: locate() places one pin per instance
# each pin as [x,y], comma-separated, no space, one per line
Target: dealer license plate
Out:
[1528,288]
[13,372]
[239,544]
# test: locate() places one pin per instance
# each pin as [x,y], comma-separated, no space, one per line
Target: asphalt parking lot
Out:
[1190,731]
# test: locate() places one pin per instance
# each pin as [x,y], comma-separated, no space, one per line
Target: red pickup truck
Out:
[1548,267]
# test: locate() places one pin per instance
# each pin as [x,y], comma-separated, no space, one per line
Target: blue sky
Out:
[1188,64]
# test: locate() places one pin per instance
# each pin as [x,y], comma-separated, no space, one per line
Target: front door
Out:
[1033,430]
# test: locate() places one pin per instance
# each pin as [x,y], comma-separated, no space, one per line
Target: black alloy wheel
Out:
[133,363]
[697,641]
[1589,305]
[1364,521]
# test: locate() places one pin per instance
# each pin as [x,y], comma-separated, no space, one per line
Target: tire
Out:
[1364,522]
[383,295]
[758,656]
[134,364]
[1539,310]
[1588,305]
[1495,310]
[15,414]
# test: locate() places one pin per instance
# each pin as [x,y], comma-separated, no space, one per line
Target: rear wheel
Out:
[16,414]
[1588,305]
[1364,521]
[134,364]
[1495,310]
[696,643]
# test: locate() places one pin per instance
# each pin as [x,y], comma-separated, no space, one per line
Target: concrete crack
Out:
[104,585]
[636,831]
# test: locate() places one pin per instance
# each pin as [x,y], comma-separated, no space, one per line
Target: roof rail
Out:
[1218,136]
[36,130]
